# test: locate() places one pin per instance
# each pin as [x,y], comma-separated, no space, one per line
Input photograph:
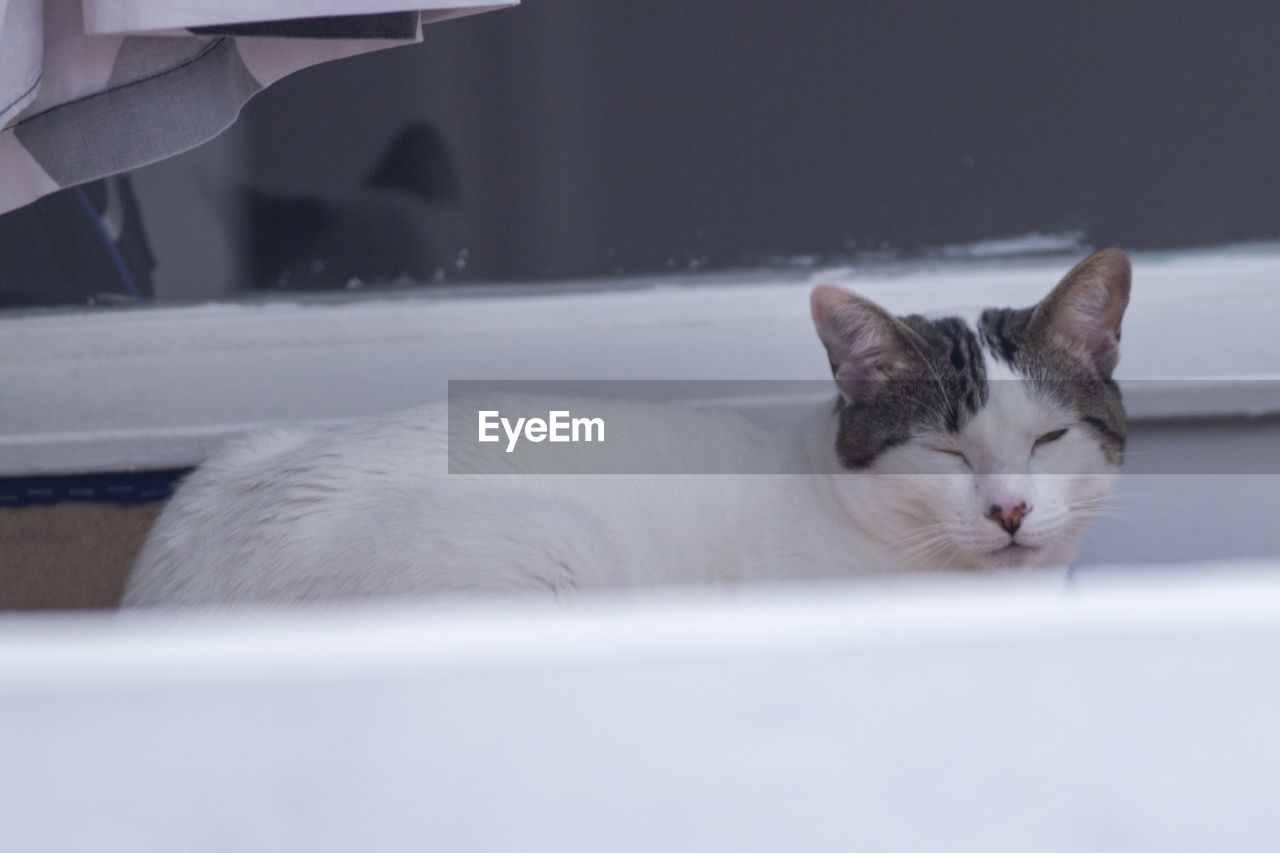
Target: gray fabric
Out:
[151,118]
[105,102]
[141,57]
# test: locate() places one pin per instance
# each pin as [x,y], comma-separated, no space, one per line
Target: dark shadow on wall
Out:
[80,246]
[647,136]
[639,136]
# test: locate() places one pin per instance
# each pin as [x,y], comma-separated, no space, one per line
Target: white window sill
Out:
[993,716]
[162,387]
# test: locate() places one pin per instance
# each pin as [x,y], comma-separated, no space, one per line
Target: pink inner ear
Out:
[842,322]
[1099,291]
[1086,311]
[1080,325]
[858,336]
[1088,305]
[825,300]
[1093,310]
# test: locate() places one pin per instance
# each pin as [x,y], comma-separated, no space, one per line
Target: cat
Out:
[925,460]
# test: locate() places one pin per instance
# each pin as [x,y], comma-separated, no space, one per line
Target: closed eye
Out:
[956,453]
[1050,437]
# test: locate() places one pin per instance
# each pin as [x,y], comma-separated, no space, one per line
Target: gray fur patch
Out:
[943,384]
[1011,336]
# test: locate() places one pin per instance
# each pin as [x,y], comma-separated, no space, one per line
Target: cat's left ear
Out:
[864,342]
[1083,313]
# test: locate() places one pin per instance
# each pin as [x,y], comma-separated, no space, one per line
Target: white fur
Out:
[371,512]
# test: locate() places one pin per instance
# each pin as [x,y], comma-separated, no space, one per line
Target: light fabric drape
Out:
[89,88]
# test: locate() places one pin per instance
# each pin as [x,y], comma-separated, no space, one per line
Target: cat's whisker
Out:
[1110,508]
[924,533]
[1114,515]
[922,545]
[919,540]
[1155,501]
[925,547]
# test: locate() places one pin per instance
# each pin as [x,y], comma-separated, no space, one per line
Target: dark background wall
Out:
[591,138]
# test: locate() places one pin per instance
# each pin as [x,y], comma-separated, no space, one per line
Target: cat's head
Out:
[992,441]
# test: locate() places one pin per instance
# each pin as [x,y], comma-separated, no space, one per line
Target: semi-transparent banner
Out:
[1060,426]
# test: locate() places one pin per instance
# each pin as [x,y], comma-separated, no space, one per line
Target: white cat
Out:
[952,445]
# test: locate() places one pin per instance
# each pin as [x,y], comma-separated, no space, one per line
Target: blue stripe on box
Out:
[125,487]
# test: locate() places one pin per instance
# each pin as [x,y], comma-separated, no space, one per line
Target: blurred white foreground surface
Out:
[1001,715]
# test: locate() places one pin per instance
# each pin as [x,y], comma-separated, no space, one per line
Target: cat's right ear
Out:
[1082,314]
[863,341]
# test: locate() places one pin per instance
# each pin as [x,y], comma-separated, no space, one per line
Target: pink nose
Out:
[1009,517]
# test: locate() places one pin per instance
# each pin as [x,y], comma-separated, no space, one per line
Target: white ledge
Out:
[161,387]
[1134,717]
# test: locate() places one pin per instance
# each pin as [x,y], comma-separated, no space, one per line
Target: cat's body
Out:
[927,462]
